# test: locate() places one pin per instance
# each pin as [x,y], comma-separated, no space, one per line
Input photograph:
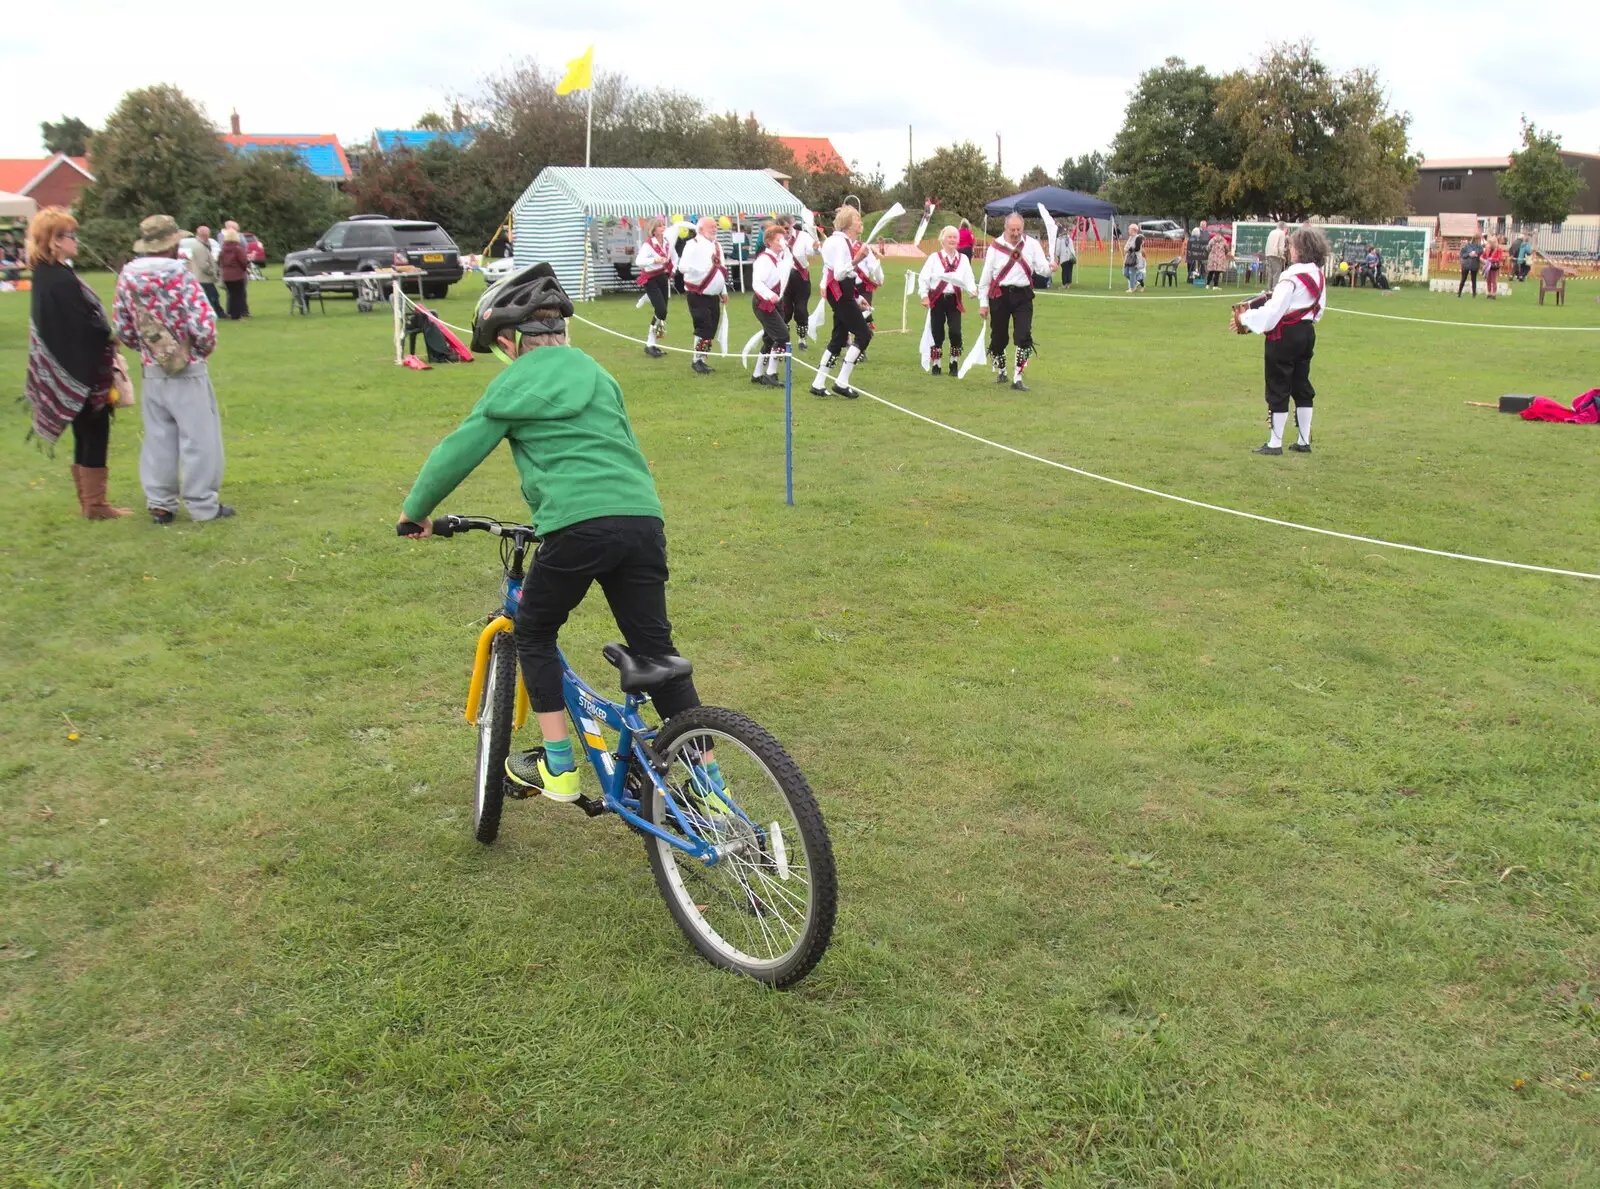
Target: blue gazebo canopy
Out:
[1060,203]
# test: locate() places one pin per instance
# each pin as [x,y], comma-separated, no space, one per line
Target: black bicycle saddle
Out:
[641,674]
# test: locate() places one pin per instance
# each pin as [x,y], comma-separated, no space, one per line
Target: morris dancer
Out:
[944,275]
[1007,283]
[767,285]
[653,262]
[705,280]
[1288,317]
[842,256]
[797,293]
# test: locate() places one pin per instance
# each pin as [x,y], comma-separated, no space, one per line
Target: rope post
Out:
[788,429]
[399,324]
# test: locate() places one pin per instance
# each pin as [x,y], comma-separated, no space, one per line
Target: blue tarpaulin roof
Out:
[1057,201]
[420,138]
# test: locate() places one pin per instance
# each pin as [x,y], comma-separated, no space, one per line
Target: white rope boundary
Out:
[1179,499]
[1441,322]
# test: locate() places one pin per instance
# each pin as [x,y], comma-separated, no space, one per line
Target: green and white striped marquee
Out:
[567,207]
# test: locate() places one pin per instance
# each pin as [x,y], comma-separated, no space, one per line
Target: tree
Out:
[1087,174]
[156,149]
[959,176]
[432,121]
[1171,144]
[1540,187]
[70,136]
[393,183]
[1306,141]
[271,194]
[1035,178]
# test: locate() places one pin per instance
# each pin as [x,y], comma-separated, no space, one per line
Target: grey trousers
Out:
[1275,267]
[182,452]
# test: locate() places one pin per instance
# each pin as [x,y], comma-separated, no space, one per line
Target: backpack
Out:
[168,350]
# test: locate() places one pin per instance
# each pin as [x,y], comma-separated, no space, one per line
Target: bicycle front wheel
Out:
[495,714]
[766,908]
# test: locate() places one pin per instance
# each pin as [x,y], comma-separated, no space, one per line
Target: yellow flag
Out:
[579,72]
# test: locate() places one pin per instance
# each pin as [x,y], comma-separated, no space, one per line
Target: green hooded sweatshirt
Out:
[570,438]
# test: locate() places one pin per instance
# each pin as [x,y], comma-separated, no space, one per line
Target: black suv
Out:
[367,243]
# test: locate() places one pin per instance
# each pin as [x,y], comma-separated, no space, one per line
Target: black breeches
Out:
[238,300]
[1468,274]
[627,555]
[658,289]
[1011,313]
[706,313]
[796,306]
[91,435]
[946,313]
[1066,270]
[848,320]
[1288,366]
[774,329]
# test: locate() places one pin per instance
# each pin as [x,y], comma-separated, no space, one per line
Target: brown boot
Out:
[92,494]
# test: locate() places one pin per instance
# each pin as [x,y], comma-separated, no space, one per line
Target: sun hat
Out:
[158,233]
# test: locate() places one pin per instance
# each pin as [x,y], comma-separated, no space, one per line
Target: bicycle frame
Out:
[589,711]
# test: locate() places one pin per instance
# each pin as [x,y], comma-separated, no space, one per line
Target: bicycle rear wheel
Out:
[495,713]
[766,909]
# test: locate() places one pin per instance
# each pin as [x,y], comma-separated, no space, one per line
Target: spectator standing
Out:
[1067,255]
[161,309]
[203,264]
[1522,256]
[70,358]
[1275,256]
[964,240]
[1195,252]
[235,268]
[1493,257]
[1471,254]
[1133,262]
[1216,260]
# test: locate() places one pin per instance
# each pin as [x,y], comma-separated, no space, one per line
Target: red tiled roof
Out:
[321,163]
[18,175]
[815,154]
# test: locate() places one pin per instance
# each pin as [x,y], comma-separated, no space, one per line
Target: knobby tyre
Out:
[495,713]
[766,911]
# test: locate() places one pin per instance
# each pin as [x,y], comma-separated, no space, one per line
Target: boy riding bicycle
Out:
[593,500]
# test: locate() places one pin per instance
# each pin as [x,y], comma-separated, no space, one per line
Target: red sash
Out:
[831,282]
[666,256]
[1315,287]
[716,270]
[1012,260]
[943,287]
[767,304]
[800,266]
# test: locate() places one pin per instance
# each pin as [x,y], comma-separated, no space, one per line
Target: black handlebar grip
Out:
[407,529]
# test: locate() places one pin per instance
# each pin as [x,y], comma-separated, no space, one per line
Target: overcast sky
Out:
[1051,78]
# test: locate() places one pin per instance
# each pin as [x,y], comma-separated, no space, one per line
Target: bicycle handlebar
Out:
[449,526]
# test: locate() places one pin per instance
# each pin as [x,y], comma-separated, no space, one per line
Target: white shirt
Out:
[871,268]
[802,247]
[954,271]
[836,256]
[1020,274]
[652,257]
[1289,295]
[1065,248]
[698,260]
[767,276]
[1277,239]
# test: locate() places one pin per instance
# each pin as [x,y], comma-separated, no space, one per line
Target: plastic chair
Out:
[1553,279]
[1167,272]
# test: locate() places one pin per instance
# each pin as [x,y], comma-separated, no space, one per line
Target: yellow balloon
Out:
[725,223]
[676,219]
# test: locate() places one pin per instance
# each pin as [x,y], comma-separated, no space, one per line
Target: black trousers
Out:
[1011,312]
[797,302]
[91,435]
[774,328]
[1066,270]
[1468,274]
[946,313]
[212,296]
[1214,276]
[627,555]
[238,304]
[848,320]
[658,289]
[1288,365]
[706,314]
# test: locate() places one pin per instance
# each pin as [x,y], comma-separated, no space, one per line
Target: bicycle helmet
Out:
[510,305]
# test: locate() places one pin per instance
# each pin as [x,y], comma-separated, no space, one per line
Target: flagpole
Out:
[588,127]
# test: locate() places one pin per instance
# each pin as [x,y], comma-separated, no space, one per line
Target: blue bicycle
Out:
[744,864]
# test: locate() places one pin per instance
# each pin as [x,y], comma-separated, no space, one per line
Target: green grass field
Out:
[1175,849]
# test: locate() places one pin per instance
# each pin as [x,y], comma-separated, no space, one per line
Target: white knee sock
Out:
[850,358]
[1279,420]
[650,338]
[1302,421]
[827,359]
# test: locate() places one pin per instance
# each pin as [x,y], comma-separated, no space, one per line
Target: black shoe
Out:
[160,516]
[1267,450]
[1301,447]
[936,370]
[523,769]
[1018,386]
[761,380]
[953,371]
[815,391]
[654,352]
[701,366]
[804,346]
[224,511]
[845,391]
[773,380]
[999,377]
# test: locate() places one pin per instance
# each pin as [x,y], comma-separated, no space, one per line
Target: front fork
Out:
[480,674]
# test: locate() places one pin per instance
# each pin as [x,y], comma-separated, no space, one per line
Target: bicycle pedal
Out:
[516,792]
[590,807]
